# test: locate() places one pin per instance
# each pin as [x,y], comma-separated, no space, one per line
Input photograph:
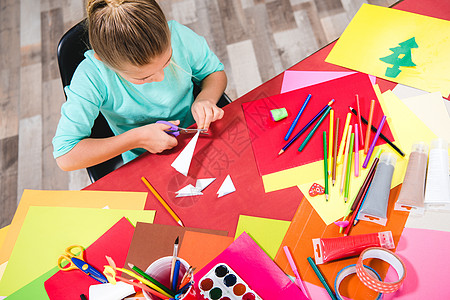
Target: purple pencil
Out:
[369,154]
[356,150]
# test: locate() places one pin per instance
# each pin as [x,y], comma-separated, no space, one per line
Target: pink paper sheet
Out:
[114,243]
[426,258]
[253,265]
[293,80]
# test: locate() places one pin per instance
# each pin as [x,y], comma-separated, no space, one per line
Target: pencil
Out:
[344,166]
[161,200]
[306,127]
[325,164]
[174,259]
[330,142]
[382,136]
[321,278]
[151,279]
[145,281]
[349,166]
[369,125]
[336,135]
[294,123]
[356,151]
[311,133]
[343,139]
[360,138]
[372,146]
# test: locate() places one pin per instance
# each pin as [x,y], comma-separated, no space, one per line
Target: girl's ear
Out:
[97,57]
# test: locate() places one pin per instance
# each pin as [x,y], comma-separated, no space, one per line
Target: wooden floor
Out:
[255,39]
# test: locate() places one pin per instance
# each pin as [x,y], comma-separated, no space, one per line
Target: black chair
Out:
[70,53]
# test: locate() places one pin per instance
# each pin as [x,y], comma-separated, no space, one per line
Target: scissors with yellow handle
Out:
[74,257]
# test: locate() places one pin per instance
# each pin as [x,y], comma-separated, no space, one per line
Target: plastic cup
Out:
[160,271]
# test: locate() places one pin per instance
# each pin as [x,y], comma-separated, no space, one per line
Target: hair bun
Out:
[114,3]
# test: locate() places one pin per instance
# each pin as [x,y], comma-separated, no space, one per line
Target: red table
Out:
[228,151]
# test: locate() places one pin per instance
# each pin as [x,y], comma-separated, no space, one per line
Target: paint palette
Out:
[222,283]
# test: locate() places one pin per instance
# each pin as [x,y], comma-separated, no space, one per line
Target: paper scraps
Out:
[183,160]
[401,57]
[196,190]
[226,188]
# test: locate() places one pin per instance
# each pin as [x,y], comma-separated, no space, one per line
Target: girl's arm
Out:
[204,108]
[89,152]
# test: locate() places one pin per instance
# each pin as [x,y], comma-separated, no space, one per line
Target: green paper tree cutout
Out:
[401,57]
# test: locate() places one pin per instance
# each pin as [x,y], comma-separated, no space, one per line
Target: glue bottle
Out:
[437,192]
[412,194]
[374,208]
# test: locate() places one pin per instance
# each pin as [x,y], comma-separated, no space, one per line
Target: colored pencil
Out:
[356,151]
[176,273]
[306,127]
[330,142]
[174,259]
[369,125]
[294,123]
[336,136]
[313,130]
[382,136]
[325,164]
[343,139]
[349,166]
[161,200]
[344,166]
[360,138]
[151,279]
[298,279]
[142,287]
[145,281]
[321,278]
[372,146]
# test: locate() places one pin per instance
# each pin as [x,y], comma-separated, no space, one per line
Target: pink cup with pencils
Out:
[160,270]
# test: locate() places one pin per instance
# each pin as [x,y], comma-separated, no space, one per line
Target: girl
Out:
[139,71]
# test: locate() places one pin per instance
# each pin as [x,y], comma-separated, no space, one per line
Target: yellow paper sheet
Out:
[267,233]
[93,199]
[47,231]
[374,30]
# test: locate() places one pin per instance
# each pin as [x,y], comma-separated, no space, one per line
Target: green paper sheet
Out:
[47,231]
[267,233]
[34,290]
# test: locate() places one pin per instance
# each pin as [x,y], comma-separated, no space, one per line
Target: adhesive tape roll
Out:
[349,270]
[375,283]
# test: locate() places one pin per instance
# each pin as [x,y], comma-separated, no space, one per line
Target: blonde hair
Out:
[127,31]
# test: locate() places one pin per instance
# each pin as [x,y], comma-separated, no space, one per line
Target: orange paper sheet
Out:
[199,248]
[307,225]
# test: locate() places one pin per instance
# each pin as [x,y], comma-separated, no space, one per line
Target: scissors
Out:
[75,261]
[176,131]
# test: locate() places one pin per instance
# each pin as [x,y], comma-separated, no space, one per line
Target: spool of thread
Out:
[374,208]
[278,114]
[412,194]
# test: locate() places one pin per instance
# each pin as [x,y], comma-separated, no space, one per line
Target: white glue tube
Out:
[412,194]
[437,191]
[374,208]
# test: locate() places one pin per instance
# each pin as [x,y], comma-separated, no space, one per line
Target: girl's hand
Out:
[205,112]
[154,139]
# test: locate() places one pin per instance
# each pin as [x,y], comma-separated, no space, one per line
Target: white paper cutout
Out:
[188,190]
[183,161]
[202,184]
[226,188]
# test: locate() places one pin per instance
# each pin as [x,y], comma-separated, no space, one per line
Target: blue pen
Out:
[176,272]
[288,134]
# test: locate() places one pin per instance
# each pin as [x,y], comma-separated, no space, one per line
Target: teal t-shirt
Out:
[96,88]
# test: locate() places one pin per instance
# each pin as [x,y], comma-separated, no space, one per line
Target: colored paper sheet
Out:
[3,233]
[282,171]
[253,265]
[267,233]
[308,225]
[375,30]
[293,80]
[114,243]
[199,248]
[35,289]
[153,241]
[2,269]
[50,230]
[425,278]
[94,199]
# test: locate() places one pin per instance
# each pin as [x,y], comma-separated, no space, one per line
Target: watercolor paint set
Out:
[222,283]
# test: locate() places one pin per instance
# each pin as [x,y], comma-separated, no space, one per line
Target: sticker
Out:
[316,189]
[222,283]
